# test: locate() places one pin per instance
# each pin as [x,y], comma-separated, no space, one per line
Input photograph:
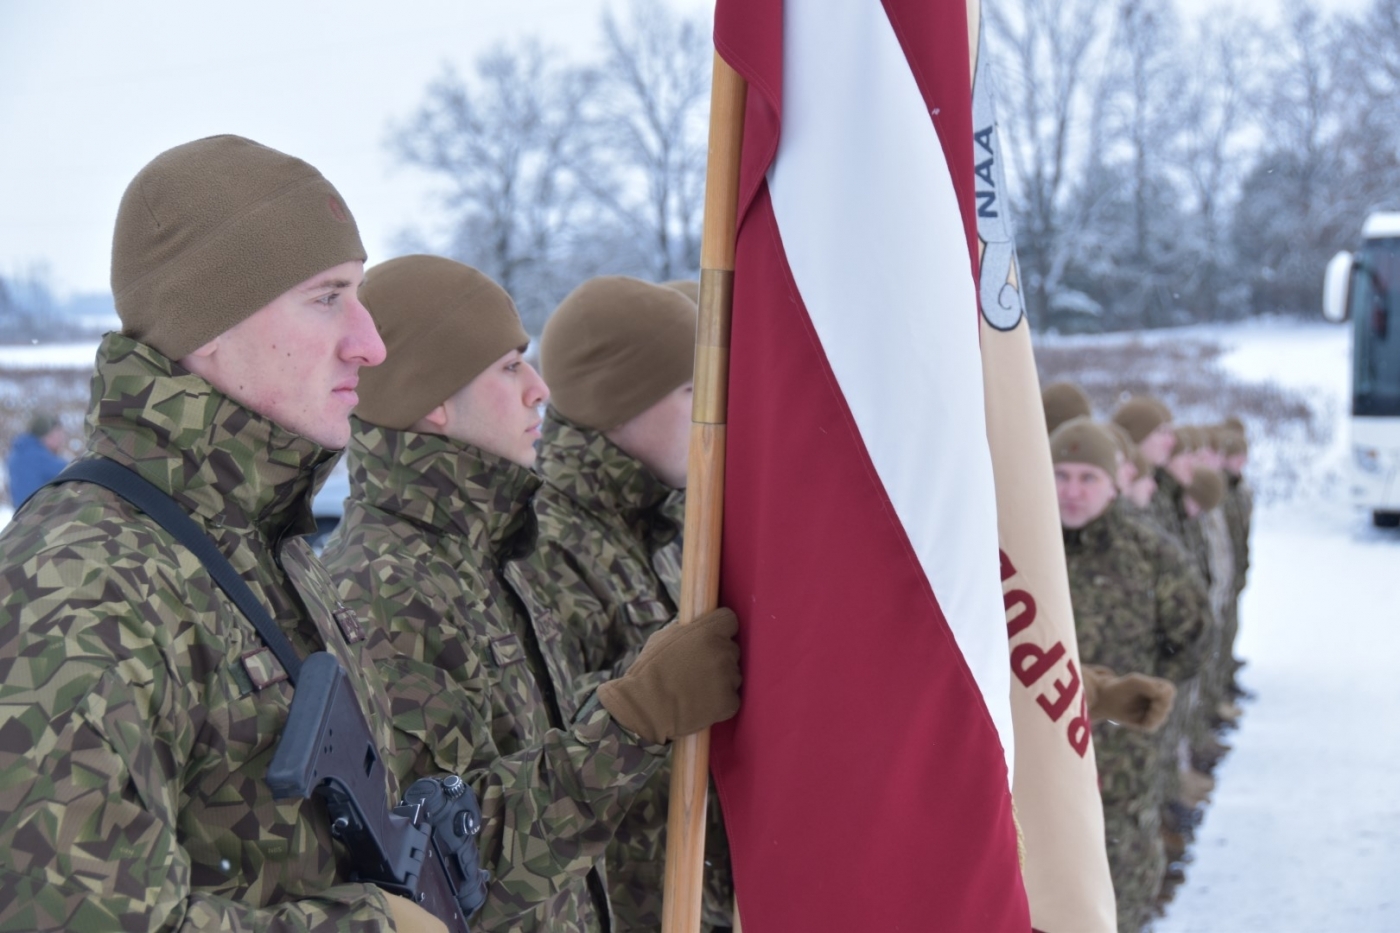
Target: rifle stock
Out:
[423,849]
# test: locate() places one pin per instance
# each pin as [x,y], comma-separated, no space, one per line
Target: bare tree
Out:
[647,168]
[1050,53]
[507,148]
[1217,143]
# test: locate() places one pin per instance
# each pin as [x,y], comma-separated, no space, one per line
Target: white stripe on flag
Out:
[873,235]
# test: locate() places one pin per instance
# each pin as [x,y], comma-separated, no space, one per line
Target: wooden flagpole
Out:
[704,508]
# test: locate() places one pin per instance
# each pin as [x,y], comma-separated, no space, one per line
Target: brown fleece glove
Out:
[410,918]
[1134,700]
[686,678]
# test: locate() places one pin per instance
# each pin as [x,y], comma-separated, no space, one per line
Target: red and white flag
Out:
[866,783]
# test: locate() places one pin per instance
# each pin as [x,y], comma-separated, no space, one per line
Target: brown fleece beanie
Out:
[1232,443]
[1141,416]
[1080,440]
[1188,439]
[1063,401]
[211,231]
[1127,448]
[615,347]
[1207,488]
[687,287]
[442,323]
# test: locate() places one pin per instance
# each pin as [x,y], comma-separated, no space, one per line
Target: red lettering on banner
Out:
[1024,618]
[1030,663]
[1007,571]
[1056,708]
[1040,660]
[1079,726]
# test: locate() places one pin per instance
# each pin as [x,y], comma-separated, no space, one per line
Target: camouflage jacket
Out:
[1139,604]
[1168,512]
[140,708]
[1239,513]
[608,535]
[610,543]
[1220,553]
[430,553]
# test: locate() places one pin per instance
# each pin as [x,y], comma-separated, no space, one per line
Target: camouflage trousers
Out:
[1132,783]
[1210,691]
[1136,861]
[1172,738]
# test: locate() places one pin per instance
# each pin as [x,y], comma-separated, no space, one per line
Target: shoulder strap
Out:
[167,513]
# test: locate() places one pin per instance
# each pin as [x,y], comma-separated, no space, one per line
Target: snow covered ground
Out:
[1303,833]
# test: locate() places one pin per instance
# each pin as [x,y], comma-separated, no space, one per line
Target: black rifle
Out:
[425,848]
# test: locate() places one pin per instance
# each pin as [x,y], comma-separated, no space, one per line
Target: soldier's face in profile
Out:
[1157,447]
[499,410]
[297,360]
[1084,491]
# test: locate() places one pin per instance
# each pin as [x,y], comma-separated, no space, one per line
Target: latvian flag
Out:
[866,783]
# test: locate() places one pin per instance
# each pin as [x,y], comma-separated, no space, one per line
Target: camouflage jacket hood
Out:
[607,481]
[139,704]
[432,551]
[222,461]
[445,487]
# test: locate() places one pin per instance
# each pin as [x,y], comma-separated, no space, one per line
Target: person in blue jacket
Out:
[34,458]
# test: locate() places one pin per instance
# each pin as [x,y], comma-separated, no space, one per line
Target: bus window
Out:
[1376,385]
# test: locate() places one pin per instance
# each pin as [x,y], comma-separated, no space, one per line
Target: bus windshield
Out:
[1375,303]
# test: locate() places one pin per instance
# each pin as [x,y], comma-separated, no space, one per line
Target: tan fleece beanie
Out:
[1207,488]
[1063,401]
[442,323]
[687,287]
[1188,439]
[211,231]
[1141,416]
[615,347]
[1080,440]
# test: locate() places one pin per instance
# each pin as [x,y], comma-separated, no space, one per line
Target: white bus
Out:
[1365,287]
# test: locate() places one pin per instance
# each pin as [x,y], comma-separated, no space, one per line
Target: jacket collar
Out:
[600,476]
[1097,535]
[220,459]
[444,485]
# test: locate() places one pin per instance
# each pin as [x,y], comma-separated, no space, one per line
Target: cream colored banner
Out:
[1055,784]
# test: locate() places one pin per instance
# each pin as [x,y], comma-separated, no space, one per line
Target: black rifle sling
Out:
[167,513]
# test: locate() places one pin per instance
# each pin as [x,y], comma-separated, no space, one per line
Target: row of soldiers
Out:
[1156,519]
[502,591]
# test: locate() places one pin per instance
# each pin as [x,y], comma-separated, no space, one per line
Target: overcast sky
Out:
[90,91]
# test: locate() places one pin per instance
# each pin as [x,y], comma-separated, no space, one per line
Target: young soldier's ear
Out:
[203,352]
[437,417]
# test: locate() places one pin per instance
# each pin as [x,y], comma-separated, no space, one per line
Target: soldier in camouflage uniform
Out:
[1138,606]
[618,355]
[1203,498]
[432,550]
[140,707]
[1239,512]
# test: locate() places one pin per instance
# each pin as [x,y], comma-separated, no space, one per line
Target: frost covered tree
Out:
[651,123]
[1291,217]
[1048,55]
[506,148]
